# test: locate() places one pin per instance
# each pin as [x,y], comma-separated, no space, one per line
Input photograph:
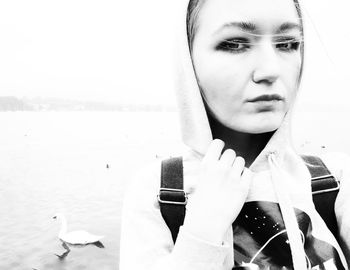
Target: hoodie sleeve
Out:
[339,165]
[146,241]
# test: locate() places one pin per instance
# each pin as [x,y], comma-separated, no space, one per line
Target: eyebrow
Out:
[244,26]
[284,27]
[252,27]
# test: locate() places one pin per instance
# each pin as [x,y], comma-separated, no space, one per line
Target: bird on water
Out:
[75,238]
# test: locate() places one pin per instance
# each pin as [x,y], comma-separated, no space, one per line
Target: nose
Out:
[266,64]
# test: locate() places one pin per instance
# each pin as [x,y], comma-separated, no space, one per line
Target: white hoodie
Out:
[279,200]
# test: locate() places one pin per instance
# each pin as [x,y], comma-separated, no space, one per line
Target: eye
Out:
[288,44]
[235,45]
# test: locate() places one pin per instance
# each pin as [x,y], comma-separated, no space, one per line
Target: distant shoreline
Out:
[10,103]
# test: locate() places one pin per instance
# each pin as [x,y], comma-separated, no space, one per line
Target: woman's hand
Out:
[219,196]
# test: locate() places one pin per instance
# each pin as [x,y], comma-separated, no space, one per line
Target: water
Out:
[57,162]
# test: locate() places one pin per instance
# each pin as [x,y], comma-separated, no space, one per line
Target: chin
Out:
[261,129]
[256,125]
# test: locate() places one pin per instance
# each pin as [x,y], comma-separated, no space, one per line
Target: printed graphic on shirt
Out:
[260,237]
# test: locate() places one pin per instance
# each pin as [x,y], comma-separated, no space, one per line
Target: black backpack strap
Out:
[325,189]
[172,197]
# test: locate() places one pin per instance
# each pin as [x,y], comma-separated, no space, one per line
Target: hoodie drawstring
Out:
[294,234]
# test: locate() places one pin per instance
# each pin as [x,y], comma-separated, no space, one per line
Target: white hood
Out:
[279,206]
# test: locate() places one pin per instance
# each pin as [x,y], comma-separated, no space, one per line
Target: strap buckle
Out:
[320,178]
[172,196]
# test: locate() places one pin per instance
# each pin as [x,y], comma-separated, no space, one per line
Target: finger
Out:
[228,157]
[214,151]
[238,166]
[246,176]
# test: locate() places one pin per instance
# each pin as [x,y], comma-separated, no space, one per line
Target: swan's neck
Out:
[63,229]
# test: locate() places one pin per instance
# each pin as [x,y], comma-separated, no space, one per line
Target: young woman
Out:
[249,193]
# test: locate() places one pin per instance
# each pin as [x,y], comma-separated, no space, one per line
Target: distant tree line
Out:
[13,104]
[9,103]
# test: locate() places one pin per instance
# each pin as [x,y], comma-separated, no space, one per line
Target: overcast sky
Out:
[120,50]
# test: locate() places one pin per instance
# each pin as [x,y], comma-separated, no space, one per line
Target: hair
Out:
[194,7]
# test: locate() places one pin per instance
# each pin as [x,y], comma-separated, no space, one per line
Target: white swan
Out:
[75,237]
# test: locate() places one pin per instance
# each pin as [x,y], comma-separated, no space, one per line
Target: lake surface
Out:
[54,162]
[57,162]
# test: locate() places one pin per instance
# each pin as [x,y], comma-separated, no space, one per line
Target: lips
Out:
[273,97]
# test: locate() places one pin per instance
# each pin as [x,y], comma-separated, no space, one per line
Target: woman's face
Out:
[246,54]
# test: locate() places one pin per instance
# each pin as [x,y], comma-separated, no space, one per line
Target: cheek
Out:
[220,77]
[291,79]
